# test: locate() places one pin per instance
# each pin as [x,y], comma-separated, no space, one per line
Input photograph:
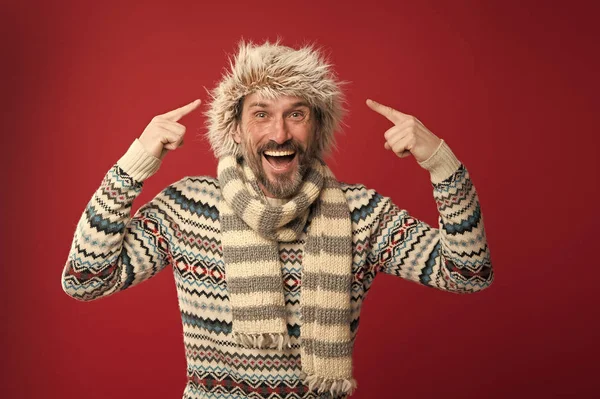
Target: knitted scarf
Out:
[251,230]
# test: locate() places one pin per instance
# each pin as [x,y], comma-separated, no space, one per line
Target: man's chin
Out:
[283,182]
[281,185]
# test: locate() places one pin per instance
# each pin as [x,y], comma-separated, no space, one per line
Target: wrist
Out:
[138,162]
[441,164]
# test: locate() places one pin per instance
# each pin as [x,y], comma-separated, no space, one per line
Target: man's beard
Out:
[286,184]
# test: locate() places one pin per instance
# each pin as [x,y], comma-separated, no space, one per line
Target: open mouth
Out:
[279,159]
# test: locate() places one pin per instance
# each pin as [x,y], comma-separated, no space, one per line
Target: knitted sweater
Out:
[179,228]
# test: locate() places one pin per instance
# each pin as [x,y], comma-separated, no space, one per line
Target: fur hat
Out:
[273,70]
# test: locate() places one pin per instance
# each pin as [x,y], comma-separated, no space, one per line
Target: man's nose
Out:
[280,132]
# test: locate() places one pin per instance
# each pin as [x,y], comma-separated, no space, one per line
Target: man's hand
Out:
[408,135]
[163,133]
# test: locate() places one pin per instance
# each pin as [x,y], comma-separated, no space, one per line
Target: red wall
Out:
[511,86]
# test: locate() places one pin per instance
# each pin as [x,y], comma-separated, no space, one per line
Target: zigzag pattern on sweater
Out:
[225,385]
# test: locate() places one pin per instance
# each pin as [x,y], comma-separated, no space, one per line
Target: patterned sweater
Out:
[179,228]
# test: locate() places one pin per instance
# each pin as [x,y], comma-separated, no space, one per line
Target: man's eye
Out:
[296,114]
[260,114]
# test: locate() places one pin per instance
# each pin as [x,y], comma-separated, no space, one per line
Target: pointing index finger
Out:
[390,113]
[179,113]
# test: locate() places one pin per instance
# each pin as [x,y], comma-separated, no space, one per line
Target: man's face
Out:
[276,138]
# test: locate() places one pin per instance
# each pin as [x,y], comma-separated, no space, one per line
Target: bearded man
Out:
[273,258]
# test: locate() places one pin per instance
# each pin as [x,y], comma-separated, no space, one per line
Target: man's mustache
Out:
[289,145]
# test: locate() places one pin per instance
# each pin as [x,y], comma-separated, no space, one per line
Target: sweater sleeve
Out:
[111,250]
[454,257]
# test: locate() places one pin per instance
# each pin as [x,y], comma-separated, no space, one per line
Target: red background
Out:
[511,86]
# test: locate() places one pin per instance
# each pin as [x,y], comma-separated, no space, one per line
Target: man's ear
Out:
[237,134]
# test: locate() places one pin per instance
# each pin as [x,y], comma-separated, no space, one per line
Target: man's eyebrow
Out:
[261,105]
[264,105]
[300,104]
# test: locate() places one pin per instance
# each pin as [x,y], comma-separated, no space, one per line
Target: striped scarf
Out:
[251,230]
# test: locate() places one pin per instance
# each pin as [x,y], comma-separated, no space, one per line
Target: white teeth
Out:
[279,153]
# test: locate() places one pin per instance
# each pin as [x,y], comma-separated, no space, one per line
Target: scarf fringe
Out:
[263,340]
[335,386]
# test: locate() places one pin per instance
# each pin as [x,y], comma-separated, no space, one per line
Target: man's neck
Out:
[276,201]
